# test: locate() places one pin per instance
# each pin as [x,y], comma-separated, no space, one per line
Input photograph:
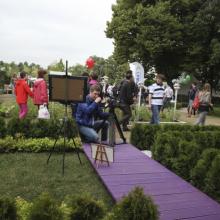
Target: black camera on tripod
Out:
[110,102]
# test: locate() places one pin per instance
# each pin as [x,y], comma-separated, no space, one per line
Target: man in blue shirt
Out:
[88,112]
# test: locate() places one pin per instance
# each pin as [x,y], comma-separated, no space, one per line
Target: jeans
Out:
[155,119]
[90,134]
[23,109]
[201,118]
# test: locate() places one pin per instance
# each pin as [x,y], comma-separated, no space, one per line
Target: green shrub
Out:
[216,135]
[205,139]
[15,126]
[2,127]
[45,208]
[199,172]
[212,181]
[86,208]
[186,159]
[9,144]
[5,111]
[39,128]
[166,147]
[142,136]
[141,114]
[7,209]
[35,128]
[135,206]
[23,208]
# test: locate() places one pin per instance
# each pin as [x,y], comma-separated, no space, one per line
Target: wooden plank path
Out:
[175,198]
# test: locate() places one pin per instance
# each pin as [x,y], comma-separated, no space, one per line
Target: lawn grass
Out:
[27,175]
[216,111]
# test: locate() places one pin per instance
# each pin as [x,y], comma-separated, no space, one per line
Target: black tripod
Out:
[114,122]
[64,129]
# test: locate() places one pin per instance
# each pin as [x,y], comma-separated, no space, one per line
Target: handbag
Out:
[43,112]
[196,103]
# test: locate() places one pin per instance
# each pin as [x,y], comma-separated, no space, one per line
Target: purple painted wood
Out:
[175,198]
[208,217]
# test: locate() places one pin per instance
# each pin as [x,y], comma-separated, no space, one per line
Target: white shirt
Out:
[157,92]
[168,93]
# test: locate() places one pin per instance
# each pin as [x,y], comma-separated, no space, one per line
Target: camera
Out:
[110,102]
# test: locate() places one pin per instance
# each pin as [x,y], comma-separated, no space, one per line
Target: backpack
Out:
[196,103]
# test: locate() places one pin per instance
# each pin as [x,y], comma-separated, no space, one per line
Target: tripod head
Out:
[111,103]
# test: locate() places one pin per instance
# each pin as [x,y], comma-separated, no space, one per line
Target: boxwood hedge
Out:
[192,152]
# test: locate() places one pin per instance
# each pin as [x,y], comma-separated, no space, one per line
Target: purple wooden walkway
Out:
[176,199]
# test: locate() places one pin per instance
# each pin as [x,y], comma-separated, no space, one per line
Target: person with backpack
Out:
[126,99]
[204,104]
[22,91]
[191,95]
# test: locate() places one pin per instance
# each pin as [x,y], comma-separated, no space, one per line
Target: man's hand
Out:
[98,99]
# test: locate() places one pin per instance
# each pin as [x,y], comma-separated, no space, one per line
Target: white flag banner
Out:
[138,72]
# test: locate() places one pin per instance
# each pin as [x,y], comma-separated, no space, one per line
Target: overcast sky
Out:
[43,31]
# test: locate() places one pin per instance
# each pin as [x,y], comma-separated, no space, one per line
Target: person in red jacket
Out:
[22,90]
[40,89]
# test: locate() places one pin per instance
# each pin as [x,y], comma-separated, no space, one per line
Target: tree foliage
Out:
[172,35]
[7,70]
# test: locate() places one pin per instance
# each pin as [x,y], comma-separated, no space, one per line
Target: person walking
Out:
[168,95]
[40,89]
[191,95]
[127,97]
[22,91]
[204,104]
[155,98]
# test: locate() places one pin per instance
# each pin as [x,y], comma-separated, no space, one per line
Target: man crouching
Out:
[90,117]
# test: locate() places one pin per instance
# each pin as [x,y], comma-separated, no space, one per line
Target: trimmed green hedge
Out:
[143,135]
[192,152]
[36,145]
[2,127]
[35,128]
[136,206]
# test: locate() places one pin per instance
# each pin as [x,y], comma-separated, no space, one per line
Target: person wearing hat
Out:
[156,97]
[40,89]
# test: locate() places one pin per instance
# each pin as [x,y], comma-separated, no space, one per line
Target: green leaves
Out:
[173,36]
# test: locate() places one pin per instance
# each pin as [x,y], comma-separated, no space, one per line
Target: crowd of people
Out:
[90,116]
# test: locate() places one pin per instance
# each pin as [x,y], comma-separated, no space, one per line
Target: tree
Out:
[172,35]
[57,66]
[77,70]
[204,51]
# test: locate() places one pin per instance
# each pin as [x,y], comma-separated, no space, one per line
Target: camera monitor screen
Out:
[69,89]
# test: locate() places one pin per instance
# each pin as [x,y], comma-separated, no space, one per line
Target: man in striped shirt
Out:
[156,95]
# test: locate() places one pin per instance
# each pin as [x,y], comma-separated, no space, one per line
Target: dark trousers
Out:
[126,110]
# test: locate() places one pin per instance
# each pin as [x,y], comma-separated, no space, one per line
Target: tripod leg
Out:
[77,150]
[119,128]
[64,153]
[52,150]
